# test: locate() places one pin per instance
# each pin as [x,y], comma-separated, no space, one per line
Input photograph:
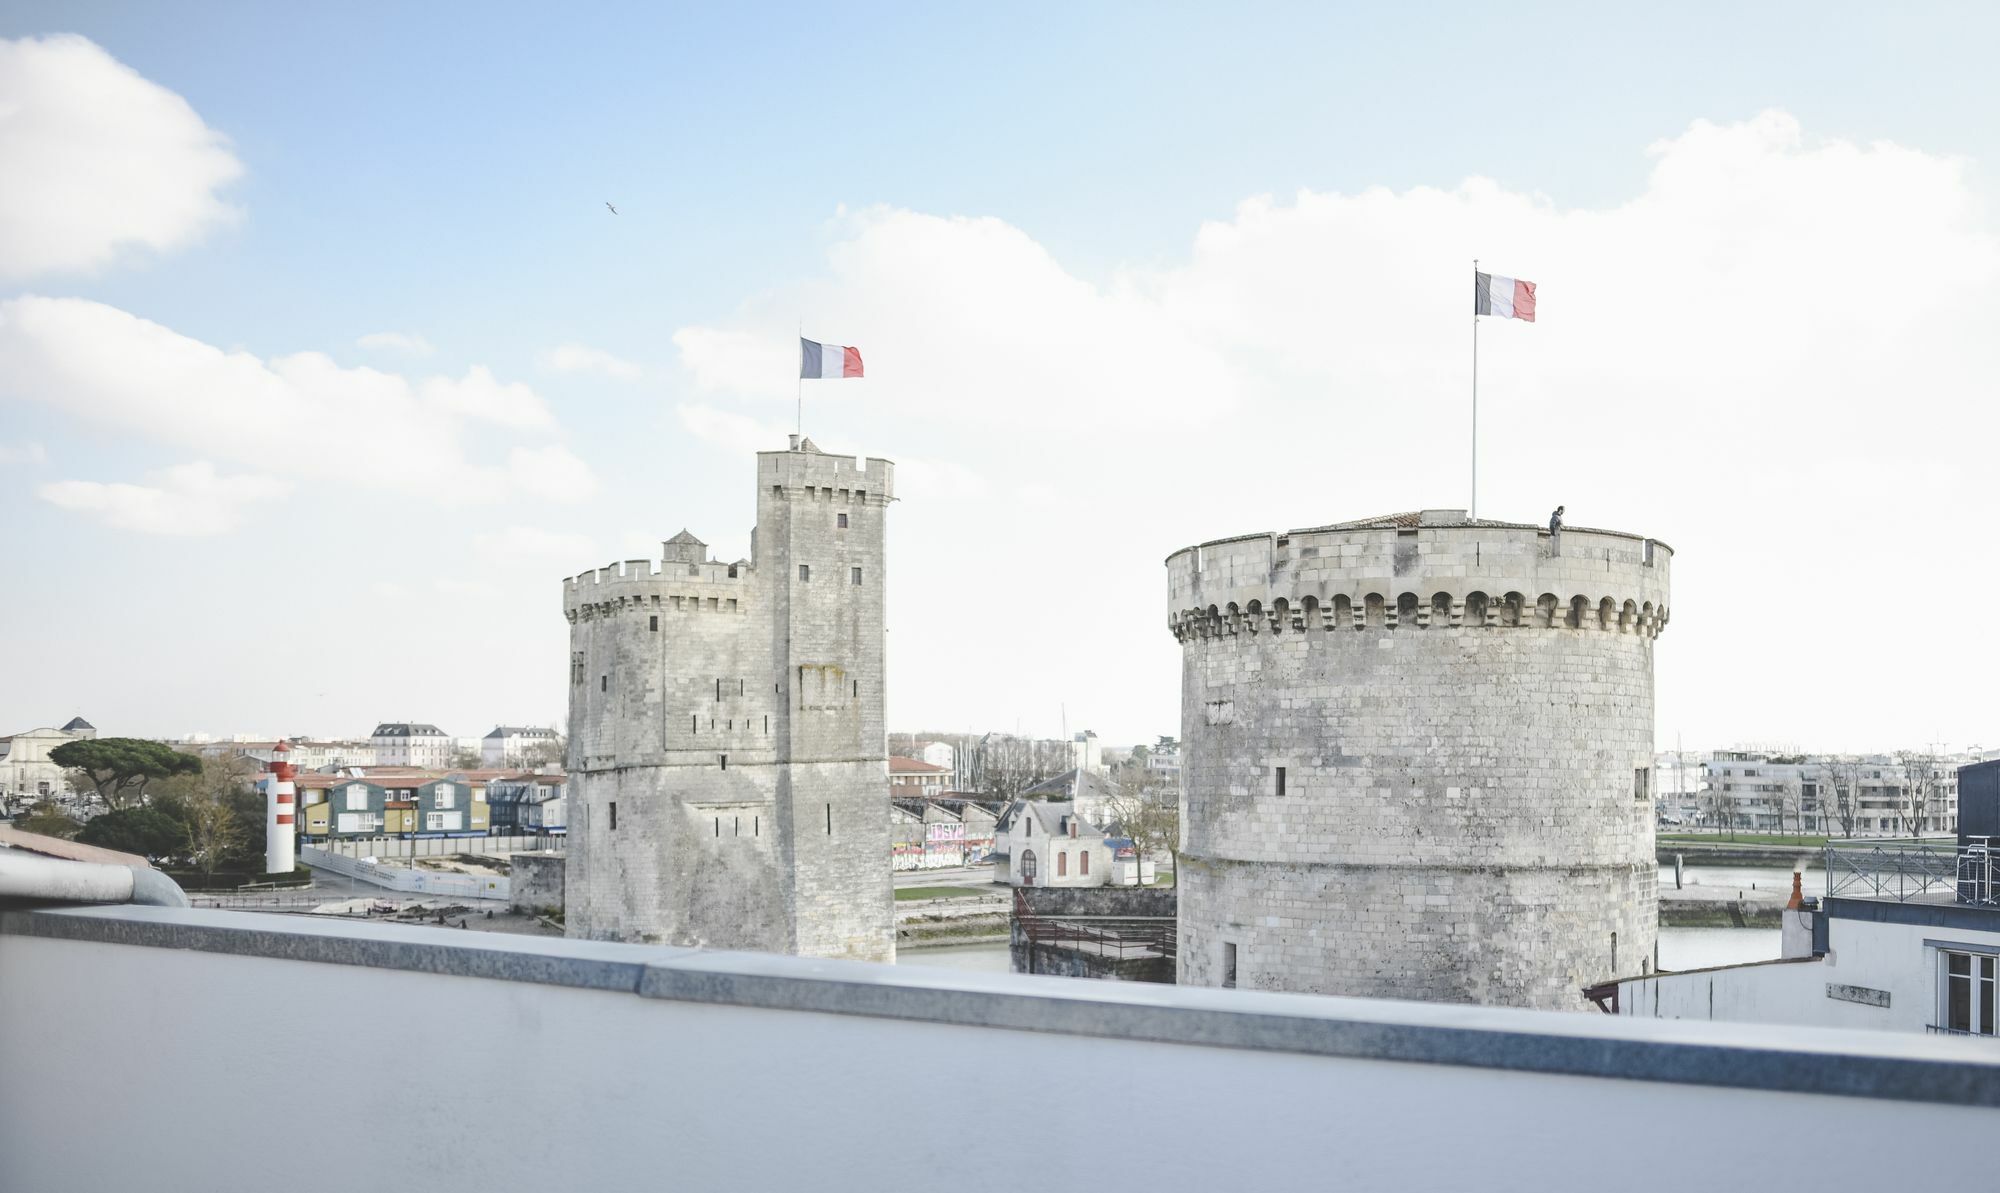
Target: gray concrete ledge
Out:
[1795,1060]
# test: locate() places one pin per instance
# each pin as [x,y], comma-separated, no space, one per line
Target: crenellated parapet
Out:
[675,585]
[1432,571]
[806,473]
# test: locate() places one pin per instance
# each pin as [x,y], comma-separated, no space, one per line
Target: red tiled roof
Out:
[899,765]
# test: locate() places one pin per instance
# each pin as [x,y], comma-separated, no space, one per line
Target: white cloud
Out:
[361,426]
[553,472]
[188,499]
[577,358]
[1798,328]
[99,161]
[739,433]
[534,547]
[396,341]
[23,453]
[479,395]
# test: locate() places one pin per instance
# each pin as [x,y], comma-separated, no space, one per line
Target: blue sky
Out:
[440,171]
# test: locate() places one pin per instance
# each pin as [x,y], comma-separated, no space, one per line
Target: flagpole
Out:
[1475,389]
[800,415]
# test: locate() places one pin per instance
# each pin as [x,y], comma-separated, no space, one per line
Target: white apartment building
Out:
[26,774]
[411,743]
[941,754]
[1774,793]
[515,745]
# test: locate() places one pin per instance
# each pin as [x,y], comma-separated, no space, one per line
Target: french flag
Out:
[828,361]
[1509,298]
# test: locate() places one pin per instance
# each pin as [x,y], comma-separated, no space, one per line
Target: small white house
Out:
[1037,843]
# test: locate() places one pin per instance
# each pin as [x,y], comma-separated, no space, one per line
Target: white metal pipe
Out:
[28,876]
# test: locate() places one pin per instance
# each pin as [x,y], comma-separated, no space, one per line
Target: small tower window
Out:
[842,523]
[613,805]
[604,683]
[857,576]
[805,572]
[1280,783]
[653,623]
[1229,966]
[725,761]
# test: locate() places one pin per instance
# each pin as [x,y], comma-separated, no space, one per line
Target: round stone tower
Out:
[1418,759]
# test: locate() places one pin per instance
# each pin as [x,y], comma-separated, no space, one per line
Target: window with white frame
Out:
[434,821]
[1967,997]
[444,795]
[357,798]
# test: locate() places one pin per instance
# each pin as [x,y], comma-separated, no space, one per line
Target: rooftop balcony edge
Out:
[1784,1059]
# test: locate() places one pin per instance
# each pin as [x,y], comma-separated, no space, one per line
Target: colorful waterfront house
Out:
[316,804]
[399,817]
[356,807]
[479,786]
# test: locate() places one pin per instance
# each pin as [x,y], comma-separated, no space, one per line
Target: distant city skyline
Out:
[322,361]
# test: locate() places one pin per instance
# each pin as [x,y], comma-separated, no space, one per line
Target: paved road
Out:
[975,876]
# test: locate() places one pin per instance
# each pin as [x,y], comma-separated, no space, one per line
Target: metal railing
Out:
[1937,1030]
[1119,936]
[1899,870]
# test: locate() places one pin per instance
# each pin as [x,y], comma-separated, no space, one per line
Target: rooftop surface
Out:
[1822,1062]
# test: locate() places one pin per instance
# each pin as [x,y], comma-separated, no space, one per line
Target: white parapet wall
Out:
[634,1067]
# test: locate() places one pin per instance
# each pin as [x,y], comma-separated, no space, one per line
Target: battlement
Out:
[670,582]
[1431,570]
[806,470]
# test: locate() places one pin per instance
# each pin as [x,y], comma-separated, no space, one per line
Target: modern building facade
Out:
[727,756]
[1418,758]
[1873,795]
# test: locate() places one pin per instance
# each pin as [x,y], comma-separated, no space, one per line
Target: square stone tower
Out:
[727,756]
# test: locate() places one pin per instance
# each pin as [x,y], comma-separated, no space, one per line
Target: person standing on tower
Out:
[1556,521]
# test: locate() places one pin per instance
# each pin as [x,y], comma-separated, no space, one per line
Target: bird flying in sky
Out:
[614,210]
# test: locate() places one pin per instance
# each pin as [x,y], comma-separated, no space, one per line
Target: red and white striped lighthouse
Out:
[280,810]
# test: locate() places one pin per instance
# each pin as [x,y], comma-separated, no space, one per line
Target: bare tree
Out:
[1002,766]
[1921,787]
[1840,791]
[213,830]
[1721,801]
[547,751]
[1152,823]
[1790,803]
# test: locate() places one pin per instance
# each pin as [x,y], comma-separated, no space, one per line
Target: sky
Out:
[322,359]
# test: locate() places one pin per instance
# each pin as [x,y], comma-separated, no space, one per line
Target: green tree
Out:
[120,767]
[45,820]
[143,831]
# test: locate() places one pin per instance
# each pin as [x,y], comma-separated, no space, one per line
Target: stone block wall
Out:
[1417,760]
[727,756]
[536,882]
